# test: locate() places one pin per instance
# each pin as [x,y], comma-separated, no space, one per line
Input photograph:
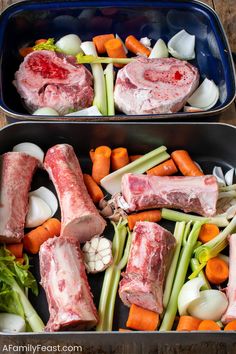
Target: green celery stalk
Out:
[194,264]
[174,215]
[109,79]
[94,59]
[181,271]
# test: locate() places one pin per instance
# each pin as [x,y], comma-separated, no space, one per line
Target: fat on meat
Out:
[65,282]
[191,194]
[79,216]
[16,173]
[155,86]
[148,262]
[230,314]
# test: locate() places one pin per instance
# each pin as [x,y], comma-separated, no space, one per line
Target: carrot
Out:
[100,41]
[101,163]
[25,51]
[35,238]
[134,157]
[208,232]
[217,270]
[20,260]
[185,164]
[208,325]
[119,158]
[166,168]
[91,154]
[115,49]
[231,326]
[124,330]
[16,249]
[188,323]
[142,319]
[39,41]
[94,190]
[134,46]
[150,215]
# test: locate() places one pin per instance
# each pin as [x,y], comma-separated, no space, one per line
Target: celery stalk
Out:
[112,182]
[109,78]
[178,234]
[174,215]
[94,59]
[227,188]
[181,272]
[194,264]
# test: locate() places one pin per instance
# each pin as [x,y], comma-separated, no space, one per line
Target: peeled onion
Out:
[38,212]
[70,44]
[218,173]
[182,45]
[90,111]
[206,95]
[190,291]
[30,149]
[48,197]
[159,50]
[46,111]
[229,177]
[11,323]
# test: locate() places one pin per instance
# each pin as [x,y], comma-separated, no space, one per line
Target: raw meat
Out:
[49,79]
[230,314]
[16,169]
[190,194]
[65,283]
[153,86]
[79,216]
[142,283]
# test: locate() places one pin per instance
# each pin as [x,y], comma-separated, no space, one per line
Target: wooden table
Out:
[227,12]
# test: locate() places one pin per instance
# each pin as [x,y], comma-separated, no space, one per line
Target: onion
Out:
[159,50]
[181,46]
[70,44]
[125,49]
[229,176]
[190,291]
[46,111]
[206,95]
[30,149]
[38,212]
[191,109]
[48,197]
[90,111]
[218,173]
[210,305]
[146,42]
[11,323]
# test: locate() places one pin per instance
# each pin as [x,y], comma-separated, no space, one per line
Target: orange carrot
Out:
[39,41]
[142,319]
[208,325]
[91,154]
[100,41]
[124,330]
[25,51]
[166,168]
[208,232]
[94,190]
[20,260]
[16,249]
[101,163]
[134,46]
[119,158]
[231,326]
[150,215]
[115,49]
[134,157]
[35,238]
[217,270]
[185,164]
[188,323]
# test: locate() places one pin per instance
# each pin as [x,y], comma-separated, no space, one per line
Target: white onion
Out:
[218,173]
[48,197]
[146,42]
[38,212]
[206,95]
[210,305]
[70,44]
[90,111]
[159,50]
[46,111]
[181,46]
[229,176]
[190,291]
[11,323]
[30,149]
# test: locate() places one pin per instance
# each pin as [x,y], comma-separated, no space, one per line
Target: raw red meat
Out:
[153,86]
[79,216]
[65,283]
[230,314]
[190,194]
[49,79]
[143,280]
[16,169]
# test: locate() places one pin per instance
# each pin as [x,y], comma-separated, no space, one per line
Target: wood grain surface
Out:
[226,10]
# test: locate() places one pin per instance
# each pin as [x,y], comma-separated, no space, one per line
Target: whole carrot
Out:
[185,164]
[134,46]
[153,215]
[208,232]
[101,163]
[166,168]
[208,325]
[119,158]
[217,270]
[188,323]
[142,319]
[94,190]
[100,41]
[16,249]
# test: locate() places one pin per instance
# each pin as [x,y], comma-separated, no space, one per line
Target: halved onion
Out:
[229,177]
[70,44]
[190,291]
[46,111]
[11,323]
[48,197]
[30,149]
[159,50]
[206,95]
[38,212]
[218,173]
[182,45]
